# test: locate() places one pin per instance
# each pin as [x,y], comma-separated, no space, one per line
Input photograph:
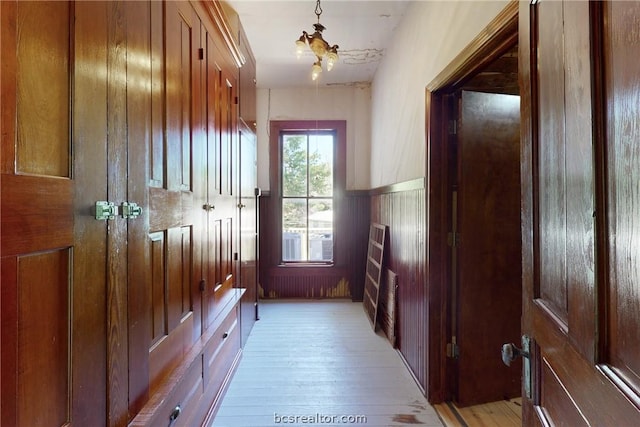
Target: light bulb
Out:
[332,57]
[300,46]
[315,70]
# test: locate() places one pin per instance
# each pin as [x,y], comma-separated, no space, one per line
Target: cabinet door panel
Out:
[53,170]
[222,173]
[172,205]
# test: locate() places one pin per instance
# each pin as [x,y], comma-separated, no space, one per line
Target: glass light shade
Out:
[332,58]
[315,71]
[300,46]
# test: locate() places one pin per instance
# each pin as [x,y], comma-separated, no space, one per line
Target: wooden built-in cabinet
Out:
[247,111]
[135,318]
[248,193]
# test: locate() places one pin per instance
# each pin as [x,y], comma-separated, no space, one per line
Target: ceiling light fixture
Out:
[318,45]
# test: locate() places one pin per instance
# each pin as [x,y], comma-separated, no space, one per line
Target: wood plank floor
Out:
[504,413]
[315,362]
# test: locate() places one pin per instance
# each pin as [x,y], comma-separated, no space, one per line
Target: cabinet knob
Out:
[208,207]
[174,414]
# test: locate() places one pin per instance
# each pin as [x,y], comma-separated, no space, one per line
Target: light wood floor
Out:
[505,413]
[321,359]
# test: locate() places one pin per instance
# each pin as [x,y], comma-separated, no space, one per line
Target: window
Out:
[303,209]
[307,195]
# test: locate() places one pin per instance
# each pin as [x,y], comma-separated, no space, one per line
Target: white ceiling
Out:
[362,29]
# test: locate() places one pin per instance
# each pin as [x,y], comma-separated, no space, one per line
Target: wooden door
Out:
[580,216]
[221,171]
[488,246]
[54,169]
[228,198]
[213,73]
[248,221]
[174,230]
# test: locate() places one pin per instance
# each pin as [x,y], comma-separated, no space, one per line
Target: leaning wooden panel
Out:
[373,272]
[388,306]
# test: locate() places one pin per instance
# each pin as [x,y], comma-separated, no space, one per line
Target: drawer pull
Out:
[226,334]
[174,414]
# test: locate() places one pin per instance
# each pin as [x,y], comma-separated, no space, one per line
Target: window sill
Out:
[306,264]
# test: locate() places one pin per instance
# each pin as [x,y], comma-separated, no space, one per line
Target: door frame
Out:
[498,37]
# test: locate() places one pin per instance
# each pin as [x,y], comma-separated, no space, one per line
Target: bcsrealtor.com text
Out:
[318,418]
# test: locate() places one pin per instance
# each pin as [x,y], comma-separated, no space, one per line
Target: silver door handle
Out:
[510,353]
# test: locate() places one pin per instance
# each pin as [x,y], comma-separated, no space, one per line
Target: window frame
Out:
[338,128]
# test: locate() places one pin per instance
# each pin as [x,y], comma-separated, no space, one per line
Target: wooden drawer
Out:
[221,350]
[179,391]
[196,384]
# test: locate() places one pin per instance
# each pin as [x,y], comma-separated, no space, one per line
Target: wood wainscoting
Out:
[402,207]
[343,279]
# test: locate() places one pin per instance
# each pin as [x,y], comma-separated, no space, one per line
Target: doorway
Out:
[474,218]
[485,253]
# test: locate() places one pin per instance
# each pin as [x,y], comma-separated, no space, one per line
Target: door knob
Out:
[510,353]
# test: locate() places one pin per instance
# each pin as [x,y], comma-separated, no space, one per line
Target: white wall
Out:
[431,35]
[350,103]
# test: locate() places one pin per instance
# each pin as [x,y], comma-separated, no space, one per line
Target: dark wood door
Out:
[581,218]
[222,172]
[174,230]
[53,282]
[488,246]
